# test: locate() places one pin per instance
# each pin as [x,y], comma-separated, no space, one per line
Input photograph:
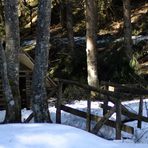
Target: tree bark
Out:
[39,97]
[1,17]
[91,23]
[10,104]
[127,28]
[62,13]
[70,25]
[12,51]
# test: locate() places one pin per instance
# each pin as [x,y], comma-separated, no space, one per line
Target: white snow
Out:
[106,131]
[53,136]
[62,136]
[136,39]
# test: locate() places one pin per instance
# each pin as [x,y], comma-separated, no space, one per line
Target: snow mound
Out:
[53,136]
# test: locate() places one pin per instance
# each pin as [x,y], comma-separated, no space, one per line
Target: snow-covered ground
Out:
[140,136]
[53,136]
[60,136]
[81,40]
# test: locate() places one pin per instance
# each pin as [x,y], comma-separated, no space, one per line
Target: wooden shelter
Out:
[25,81]
[26,68]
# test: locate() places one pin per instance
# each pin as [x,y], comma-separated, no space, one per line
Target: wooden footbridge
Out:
[116,93]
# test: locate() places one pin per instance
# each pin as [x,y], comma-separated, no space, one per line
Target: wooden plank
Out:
[110,123]
[102,121]
[115,95]
[26,60]
[118,85]
[127,88]
[29,118]
[131,115]
[140,112]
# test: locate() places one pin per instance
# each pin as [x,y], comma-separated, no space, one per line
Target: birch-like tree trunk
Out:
[39,97]
[127,28]
[92,72]
[91,24]
[12,51]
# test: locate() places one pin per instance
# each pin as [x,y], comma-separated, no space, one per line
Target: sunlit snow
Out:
[60,136]
[53,136]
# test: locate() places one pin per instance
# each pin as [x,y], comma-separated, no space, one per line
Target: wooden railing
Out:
[119,94]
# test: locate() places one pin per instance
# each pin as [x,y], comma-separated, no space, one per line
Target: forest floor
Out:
[113,27]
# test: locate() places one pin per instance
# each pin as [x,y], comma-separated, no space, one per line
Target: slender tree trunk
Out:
[92,72]
[39,98]
[70,24]
[62,13]
[91,24]
[127,28]
[1,13]
[12,51]
[6,87]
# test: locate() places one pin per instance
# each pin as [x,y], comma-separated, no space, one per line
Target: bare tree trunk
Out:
[127,28]
[70,24]
[6,87]
[39,98]
[12,51]
[92,72]
[1,15]
[91,24]
[62,13]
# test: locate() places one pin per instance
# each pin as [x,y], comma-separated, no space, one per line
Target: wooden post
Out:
[96,118]
[88,119]
[140,112]
[118,119]
[105,107]
[58,103]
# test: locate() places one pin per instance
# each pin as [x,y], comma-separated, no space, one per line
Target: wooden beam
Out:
[131,115]
[115,95]
[127,88]
[102,121]
[29,118]
[110,123]
[26,60]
